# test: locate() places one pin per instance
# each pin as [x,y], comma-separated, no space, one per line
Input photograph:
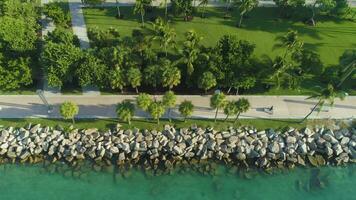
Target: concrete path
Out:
[31,106]
[47,27]
[80,29]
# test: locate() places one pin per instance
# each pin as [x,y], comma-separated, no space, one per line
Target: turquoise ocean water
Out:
[34,183]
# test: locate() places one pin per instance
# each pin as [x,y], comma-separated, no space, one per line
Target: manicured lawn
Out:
[330,38]
[104,124]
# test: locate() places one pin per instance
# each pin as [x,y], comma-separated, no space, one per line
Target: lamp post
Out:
[44,100]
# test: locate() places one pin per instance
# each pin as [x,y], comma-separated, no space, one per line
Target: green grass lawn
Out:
[330,38]
[105,124]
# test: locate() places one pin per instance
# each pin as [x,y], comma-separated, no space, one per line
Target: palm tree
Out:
[156,109]
[140,7]
[186,109]
[169,100]
[289,41]
[326,95]
[245,7]
[217,101]
[242,106]
[118,9]
[125,111]
[143,101]
[203,4]
[191,50]
[171,75]
[347,72]
[230,109]
[163,34]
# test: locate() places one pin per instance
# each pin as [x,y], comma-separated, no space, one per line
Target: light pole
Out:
[44,100]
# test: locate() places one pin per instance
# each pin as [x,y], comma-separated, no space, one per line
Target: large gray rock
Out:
[274,147]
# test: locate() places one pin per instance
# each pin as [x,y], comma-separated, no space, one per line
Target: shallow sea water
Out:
[34,183]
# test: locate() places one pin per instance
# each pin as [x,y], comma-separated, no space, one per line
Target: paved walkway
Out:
[80,29]
[31,106]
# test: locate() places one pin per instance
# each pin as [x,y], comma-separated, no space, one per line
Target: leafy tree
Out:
[104,38]
[91,71]
[60,62]
[152,75]
[125,111]
[69,110]
[288,6]
[186,109]
[17,34]
[184,7]
[217,101]
[169,100]
[230,109]
[203,4]
[342,8]
[191,50]
[320,5]
[117,79]
[15,73]
[143,101]
[244,83]
[134,77]
[309,61]
[60,16]
[156,110]
[245,7]
[207,81]
[325,95]
[170,76]
[232,57]
[243,105]
[140,7]
[63,35]
[163,34]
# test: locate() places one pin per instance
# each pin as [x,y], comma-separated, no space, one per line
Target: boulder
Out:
[291,140]
[274,147]
[316,160]
[337,149]
[345,141]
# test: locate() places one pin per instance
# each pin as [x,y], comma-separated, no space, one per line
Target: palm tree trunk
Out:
[228,91]
[158,120]
[166,9]
[237,117]
[216,114]
[237,91]
[313,109]
[73,121]
[169,114]
[118,9]
[142,20]
[241,17]
[227,116]
[129,121]
[313,15]
[136,90]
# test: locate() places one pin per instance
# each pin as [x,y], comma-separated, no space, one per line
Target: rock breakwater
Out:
[241,147]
